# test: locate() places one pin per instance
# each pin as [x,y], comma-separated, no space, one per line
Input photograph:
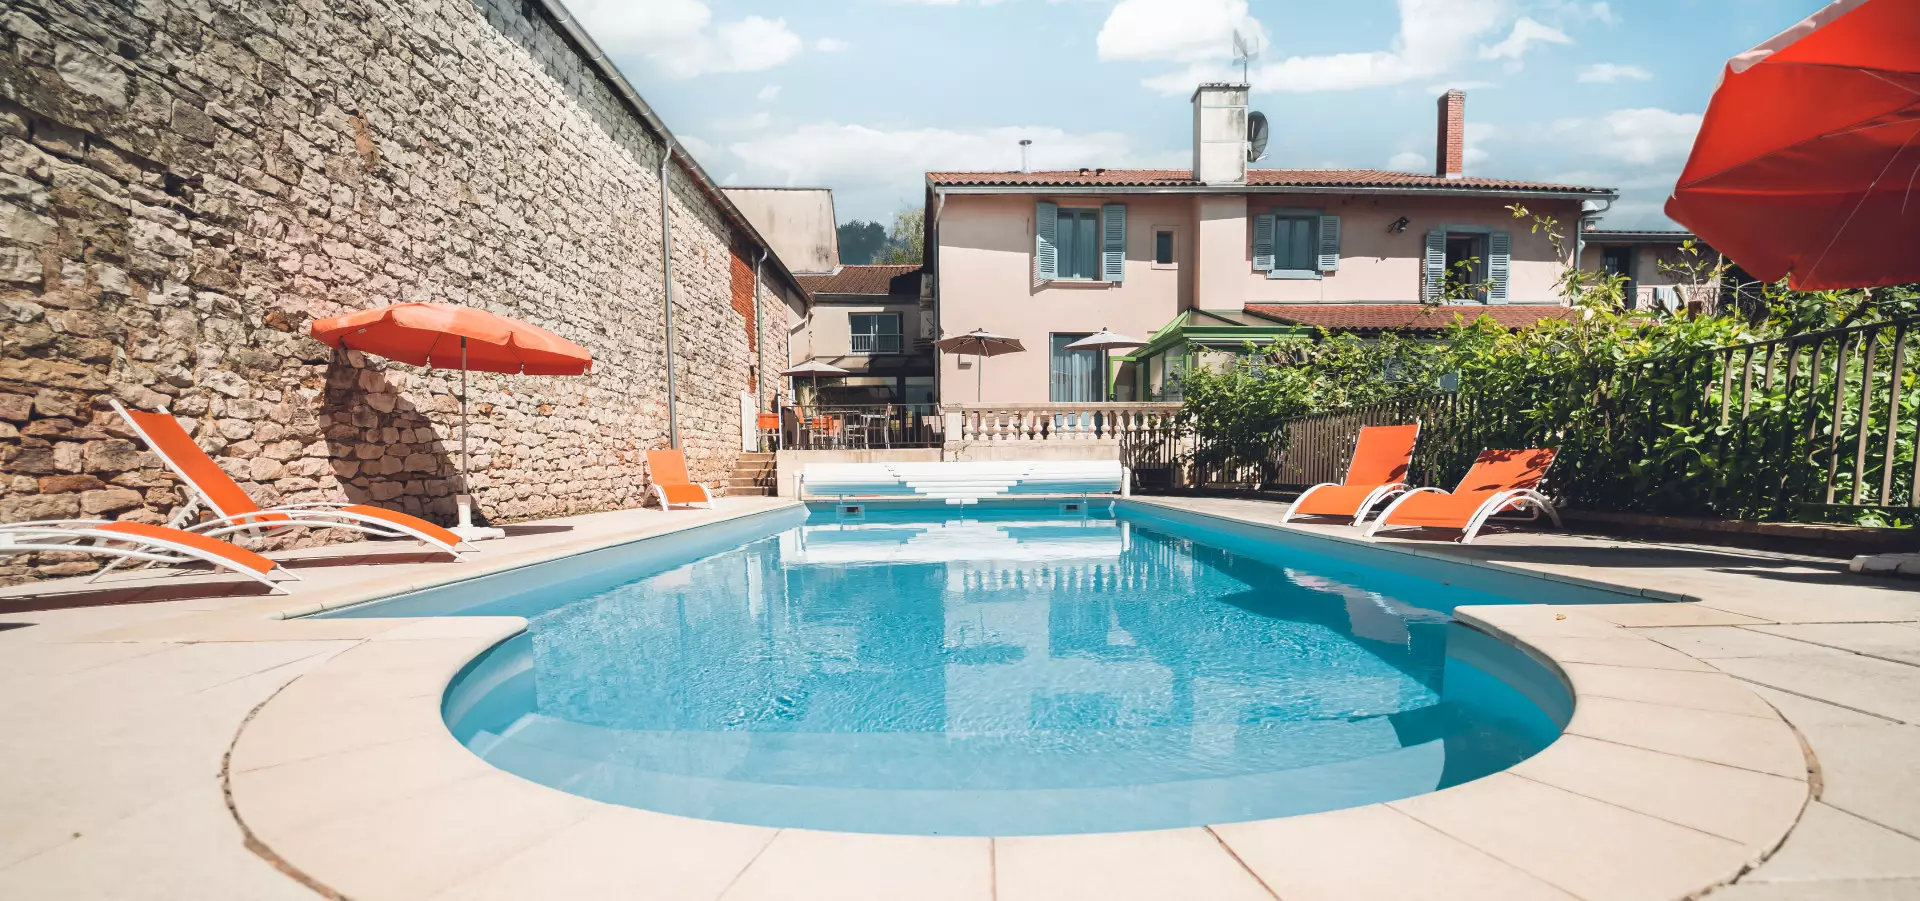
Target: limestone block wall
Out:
[186,184]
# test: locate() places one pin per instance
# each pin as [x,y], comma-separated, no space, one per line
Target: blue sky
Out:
[865,95]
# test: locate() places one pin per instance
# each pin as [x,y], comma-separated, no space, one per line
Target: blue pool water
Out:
[1015,671]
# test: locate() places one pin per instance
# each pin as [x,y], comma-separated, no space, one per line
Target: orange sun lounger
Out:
[667,470]
[1500,480]
[234,511]
[1378,471]
[125,541]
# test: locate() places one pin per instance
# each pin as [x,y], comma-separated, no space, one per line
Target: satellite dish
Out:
[1256,137]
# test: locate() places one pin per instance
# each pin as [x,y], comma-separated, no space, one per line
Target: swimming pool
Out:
[1006,671]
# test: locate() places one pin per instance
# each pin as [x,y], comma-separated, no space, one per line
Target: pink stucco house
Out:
[1222,253]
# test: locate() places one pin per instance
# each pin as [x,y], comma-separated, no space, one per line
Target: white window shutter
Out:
[1262,243]
[1046,252]
[1436,265]
[1499,256]
[1113,242]
[1329,243]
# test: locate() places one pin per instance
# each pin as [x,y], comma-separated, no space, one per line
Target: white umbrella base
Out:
[466,529]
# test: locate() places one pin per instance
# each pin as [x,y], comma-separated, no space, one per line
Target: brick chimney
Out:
[1449,157]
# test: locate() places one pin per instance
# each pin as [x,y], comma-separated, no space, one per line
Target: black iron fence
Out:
[1821,426]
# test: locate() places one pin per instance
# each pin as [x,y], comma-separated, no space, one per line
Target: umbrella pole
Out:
[979,370]
[464,500]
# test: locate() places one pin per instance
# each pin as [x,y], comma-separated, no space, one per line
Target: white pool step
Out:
[959,482]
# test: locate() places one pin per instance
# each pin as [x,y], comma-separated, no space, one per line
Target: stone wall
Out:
[186,184]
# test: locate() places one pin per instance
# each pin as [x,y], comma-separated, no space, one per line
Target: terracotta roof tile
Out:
[1407,317]
[897,280]
[1302,178]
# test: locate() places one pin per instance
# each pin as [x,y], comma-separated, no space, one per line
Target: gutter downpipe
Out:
[1580,231]
[759,344]
[666,269]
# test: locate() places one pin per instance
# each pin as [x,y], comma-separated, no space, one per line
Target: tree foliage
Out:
[1640,410]
[860,241]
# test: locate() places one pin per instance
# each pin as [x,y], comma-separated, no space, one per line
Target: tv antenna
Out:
[1245,50]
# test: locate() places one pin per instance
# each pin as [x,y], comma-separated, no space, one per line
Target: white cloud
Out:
[1186,31]
[1474,148]
[1638,137]
[1608,73]
[831,45]
[768,93]
[1526,33]
[1434,36]
[1409,161]
[681,37]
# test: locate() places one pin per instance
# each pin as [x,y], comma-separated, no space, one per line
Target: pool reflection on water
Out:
[1008,672]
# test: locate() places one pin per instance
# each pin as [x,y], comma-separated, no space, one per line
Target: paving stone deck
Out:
[1756,731]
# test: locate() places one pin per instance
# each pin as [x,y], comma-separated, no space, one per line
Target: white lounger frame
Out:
[313,515]
[660,492]
[65,536]
[1374,498]
[1512,499]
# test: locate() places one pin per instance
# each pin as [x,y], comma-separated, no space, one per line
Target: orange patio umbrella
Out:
[1807,165]
[448,336]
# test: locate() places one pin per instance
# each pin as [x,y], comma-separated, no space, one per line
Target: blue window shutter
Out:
[1262,243]
[1436,265]
[1113,242]
[1499,254]
[1329,243]
[1046,249]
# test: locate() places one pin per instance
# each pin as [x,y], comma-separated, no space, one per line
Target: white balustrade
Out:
[1016,423]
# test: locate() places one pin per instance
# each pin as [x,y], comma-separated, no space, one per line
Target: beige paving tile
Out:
[1752,808]
[804,865]
[1592,849]
[1794,606]
[1674,688]
[1122,866]
[426,842]
[182,848]
[288,730]
[620,852]
[277,800]
[1804,712]
[1869,771]
[1896,641]
[1337,856]
[494,627]
[1665,614]
[1749,742]
[1846,890]
[1829,843]
[1715,642]
[1539,620]
[1630,650]
[1876,686]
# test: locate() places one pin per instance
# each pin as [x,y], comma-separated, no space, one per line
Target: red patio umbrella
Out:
[1807,165]
[455,337]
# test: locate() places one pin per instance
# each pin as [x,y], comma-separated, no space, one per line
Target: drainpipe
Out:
[759,344]
[666,269]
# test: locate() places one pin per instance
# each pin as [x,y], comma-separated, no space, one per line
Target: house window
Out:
[1294,244]
[1078,238]
[1075,374]
[1618,261]
[1163,247]
[1466,268]
[874,333]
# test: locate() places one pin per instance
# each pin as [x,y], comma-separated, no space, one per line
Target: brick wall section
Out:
[743,303]
[1450,155]
[184,186]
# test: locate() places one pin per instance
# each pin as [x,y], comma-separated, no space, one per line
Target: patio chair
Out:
[667,470]
[234,511]
[1500,480]
[137,541]
[1377,471]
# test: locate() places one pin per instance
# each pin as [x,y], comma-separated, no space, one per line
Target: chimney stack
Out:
[1450,156]
[1220,134]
